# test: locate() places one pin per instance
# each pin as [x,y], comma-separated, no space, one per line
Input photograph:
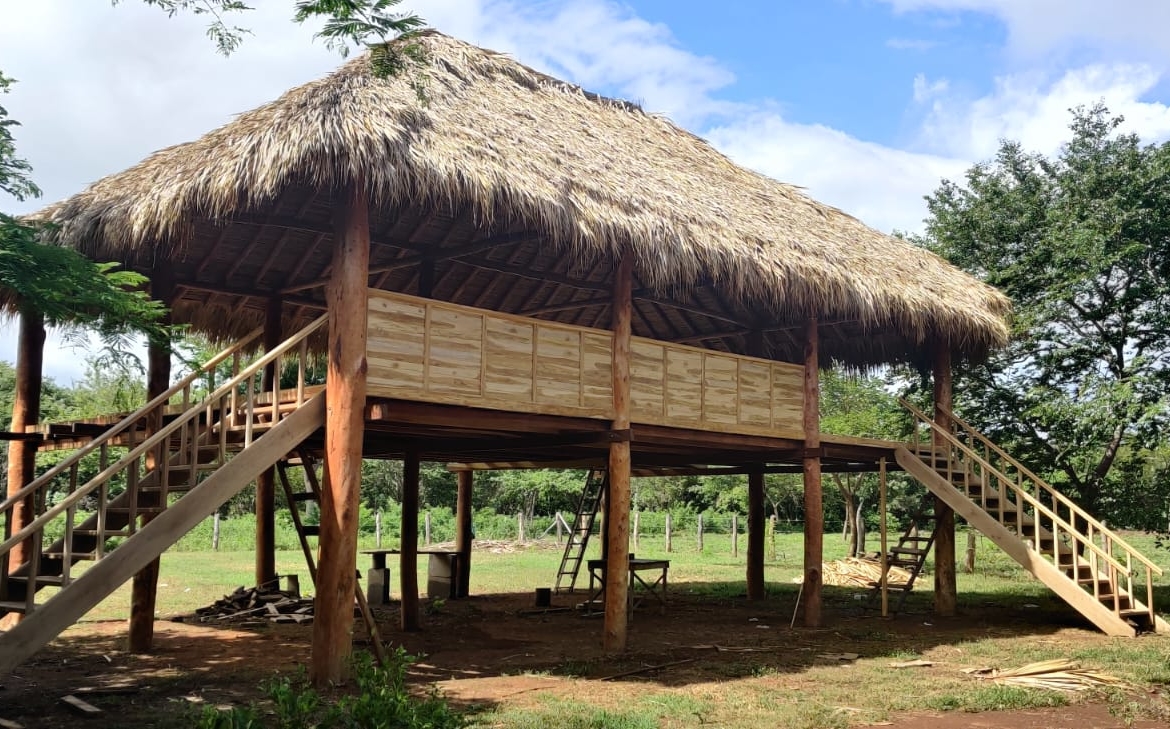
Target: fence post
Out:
[668,545]
[427,528]
[969,565]
[215,533]
[734,535]
[520,526]
[557,520]
[699,535]
[637,514]
[378,528]
[772,535]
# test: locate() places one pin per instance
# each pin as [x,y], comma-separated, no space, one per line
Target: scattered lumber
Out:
[257,605]
[917,663]
[1059,674]
[81,707]
[646,669]
[9,724]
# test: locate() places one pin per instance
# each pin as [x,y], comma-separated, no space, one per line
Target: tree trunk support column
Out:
[755,546]
[144,586]
[344,425]
[463,532]
[22,454]
[945,587]
[266,482]
[408,548]
[617,523]
[814,516]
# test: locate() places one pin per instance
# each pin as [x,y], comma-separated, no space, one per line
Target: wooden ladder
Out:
[1088,565]
[591,494]
[312,494]
[910,554]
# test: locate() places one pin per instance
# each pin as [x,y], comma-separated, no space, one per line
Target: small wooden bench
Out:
[654,589]
[443,569]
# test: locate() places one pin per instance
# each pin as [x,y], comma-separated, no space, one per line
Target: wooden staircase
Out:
[175,470]
[910,554]
[1089,566]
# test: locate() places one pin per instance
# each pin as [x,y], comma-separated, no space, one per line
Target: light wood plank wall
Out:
[433,351]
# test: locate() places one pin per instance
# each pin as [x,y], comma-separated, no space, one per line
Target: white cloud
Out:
[1033,108]
[925,90]
[1037,27]
[880,185]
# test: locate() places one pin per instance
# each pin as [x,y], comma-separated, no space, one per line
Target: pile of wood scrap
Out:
[254,604]
[1056,675]
[858,572]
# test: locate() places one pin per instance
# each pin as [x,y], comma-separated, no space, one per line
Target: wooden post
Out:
[378,529]
[463,531]
[22,454]
[344,426]
[144,585]
[814,517]
[669,544]
[215,532]
[885,555]
[699,533]
[617,523]
[427,529]
[520,527]
[408,548]
[945,586]
[755,528]
[734,535]
[772,537]
[266,482]
[637,519]
[969,563]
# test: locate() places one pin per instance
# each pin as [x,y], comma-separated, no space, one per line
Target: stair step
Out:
[907,550]
[14,606]
[42,580]
[1135,612]
[304,496]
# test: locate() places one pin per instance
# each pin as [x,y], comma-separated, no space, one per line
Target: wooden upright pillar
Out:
[814,515]
[408,549]
[946,594]
[755,546]
[344,425]
[463,535]
[144,586]
[617,523]
[22,454]
[266,482]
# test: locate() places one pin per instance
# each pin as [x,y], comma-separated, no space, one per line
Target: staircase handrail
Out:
[1040,508]
[126,422]
[1113,536]
[161,435]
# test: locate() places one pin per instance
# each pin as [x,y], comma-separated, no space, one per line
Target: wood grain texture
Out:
[814,515]
[755,550]
[266,482]
[617,522]
[26,408]
[463,535]
[408,545]
[344,426]
[946,593]
[434,351]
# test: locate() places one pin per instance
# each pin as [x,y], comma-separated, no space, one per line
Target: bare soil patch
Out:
[496,651]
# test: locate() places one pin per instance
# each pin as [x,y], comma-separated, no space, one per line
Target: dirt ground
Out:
[496,651]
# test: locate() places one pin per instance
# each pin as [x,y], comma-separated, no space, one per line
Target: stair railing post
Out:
[103,498]
[70,516]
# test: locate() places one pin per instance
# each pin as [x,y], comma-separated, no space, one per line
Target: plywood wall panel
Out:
[433,351]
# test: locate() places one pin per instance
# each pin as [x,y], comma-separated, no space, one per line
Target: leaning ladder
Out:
[305,460]
[910,554]
[570,567]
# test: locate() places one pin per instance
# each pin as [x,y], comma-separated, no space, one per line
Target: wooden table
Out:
[655,588]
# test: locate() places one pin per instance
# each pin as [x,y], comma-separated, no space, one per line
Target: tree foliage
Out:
[1080,244]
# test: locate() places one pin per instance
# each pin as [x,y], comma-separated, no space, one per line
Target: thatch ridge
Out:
[593,174]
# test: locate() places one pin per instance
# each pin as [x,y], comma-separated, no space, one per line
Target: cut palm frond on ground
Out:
[1059,674]
[858,572]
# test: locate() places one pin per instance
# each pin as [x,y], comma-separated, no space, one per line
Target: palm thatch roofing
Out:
[514,190]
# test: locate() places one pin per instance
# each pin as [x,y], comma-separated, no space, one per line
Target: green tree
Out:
[1080,244]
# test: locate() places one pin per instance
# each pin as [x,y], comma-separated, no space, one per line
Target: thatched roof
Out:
[520,187]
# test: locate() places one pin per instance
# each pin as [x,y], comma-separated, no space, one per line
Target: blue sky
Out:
[866,103]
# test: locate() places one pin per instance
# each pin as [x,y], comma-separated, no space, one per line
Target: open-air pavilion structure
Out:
[513,272]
